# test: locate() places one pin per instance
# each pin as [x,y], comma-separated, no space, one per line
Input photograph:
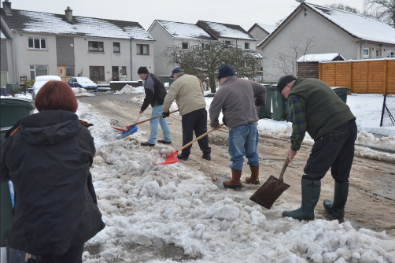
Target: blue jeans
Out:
[156,111]
[243,141]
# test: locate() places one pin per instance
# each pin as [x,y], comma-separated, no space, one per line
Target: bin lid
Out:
[17,101]
[340,88]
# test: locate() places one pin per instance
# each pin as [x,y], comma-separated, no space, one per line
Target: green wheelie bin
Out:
[12,110]
[341,92]
[265,112]
[280,105]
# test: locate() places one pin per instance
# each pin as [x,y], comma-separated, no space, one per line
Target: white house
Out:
[261,31]
[313,29]
[67,46]
[168,34]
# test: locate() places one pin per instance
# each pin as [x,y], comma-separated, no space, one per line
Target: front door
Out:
[115,73]
[62,72]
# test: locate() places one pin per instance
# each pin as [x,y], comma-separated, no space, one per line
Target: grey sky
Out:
[240,12]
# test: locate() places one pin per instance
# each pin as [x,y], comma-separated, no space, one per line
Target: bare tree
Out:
[287,61]
[205,58]
[381,9]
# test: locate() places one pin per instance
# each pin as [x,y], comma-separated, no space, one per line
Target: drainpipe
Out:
[17,56]
[11,59]
[131,55]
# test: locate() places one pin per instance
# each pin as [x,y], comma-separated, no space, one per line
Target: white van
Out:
[41,80]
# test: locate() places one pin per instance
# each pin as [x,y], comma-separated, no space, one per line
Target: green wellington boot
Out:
[310,194]
[339,201]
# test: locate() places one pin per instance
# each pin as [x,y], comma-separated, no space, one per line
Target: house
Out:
[313,29]
[261,31]
[67,46]
[233,35]
[170,33]
[5,57]
[308,65]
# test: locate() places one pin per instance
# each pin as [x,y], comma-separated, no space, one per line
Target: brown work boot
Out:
[254,179]
[235,182]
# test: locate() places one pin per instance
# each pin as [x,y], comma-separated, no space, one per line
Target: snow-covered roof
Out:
[225,30]
[40,22]
[2,34]
[319,57]
[184,30]
[267,28]
[360,26]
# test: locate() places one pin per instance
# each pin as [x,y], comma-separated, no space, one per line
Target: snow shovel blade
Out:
[268,193]
[126,133]
[172,158]
[119,129]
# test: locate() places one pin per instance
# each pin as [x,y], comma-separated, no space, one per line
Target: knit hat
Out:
[225,71]
[142,70]
[176,70]
[283,81]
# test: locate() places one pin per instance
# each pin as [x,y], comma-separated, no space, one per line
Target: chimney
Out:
[69,15]
[7,8]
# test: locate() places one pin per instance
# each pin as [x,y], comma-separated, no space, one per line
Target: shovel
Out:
[133,128]
[172,158]
[268,193]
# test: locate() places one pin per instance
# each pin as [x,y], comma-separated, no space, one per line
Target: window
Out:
[37,43]
[227,42]
[391,54]
[38,70]
[123,71]
[366,53]
[246,45]
[378,53]
[116,47]
[185,45]
[142,49]
[69,71]
[95,46]
[96,73]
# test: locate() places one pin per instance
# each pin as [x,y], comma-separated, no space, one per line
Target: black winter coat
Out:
[48,160]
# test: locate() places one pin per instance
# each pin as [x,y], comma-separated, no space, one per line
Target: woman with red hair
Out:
[47,156]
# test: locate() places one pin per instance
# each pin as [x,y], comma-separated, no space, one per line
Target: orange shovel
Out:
[172,158]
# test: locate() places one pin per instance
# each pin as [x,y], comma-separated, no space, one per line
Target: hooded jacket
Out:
[48,159]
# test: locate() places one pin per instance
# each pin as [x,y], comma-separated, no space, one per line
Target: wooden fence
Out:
[362,76]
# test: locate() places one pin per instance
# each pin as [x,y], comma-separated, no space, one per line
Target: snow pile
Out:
[129,90]
[153,206]
[80,92]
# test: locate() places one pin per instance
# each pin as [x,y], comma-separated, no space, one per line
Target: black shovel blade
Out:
[268,193]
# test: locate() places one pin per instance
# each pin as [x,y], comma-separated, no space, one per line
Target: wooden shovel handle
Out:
[149,119]
[284,168]
[198,138]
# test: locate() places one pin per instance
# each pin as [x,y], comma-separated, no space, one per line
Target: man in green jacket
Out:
[316,108]
[187,90]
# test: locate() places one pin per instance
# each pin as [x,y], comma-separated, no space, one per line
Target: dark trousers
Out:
[195,121]
[73,255]
[334,150]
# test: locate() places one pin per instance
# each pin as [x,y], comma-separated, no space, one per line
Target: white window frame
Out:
[246,45]
[185,45]
[37,43]
[141,51]
[391,54]
[368,52]
[33,71]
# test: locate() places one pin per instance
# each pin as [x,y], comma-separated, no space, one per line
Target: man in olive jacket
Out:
[316,108]
[188,92]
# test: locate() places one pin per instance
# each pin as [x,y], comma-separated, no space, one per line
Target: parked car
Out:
[40,81]
[82,82]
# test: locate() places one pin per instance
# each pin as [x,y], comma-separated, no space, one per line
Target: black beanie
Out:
[225,71]
[142,70]
[283,81]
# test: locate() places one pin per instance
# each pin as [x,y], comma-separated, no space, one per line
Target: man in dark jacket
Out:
[316,108]
[155,93]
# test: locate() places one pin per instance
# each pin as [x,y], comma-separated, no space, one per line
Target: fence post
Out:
[385,77]
[350,77]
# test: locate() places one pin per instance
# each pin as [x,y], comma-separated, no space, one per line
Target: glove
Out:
[165,114]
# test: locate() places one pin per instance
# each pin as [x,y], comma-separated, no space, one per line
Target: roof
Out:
[2,34]
[225,30]
[40,22]
[183,30]
[358,26]
[267,28]
[319,57]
